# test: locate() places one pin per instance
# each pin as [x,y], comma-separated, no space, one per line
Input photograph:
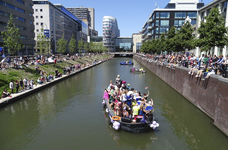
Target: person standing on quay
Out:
[17,86]
[21,84]
[11,86]
[25,83]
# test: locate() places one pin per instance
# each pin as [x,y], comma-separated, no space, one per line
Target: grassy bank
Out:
[30,73]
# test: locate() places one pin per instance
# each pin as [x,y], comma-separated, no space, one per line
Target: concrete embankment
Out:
[18,96]
[210,96]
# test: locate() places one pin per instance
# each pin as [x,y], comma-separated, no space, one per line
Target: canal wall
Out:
[18,96]
[210,96]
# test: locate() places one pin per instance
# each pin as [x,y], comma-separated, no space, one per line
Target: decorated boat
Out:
[126,63]
[137,70]
[129,124]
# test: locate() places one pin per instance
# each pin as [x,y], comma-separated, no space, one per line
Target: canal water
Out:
[69,115]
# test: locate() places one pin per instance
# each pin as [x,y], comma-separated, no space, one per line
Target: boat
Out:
[137,70]
[128,124]
[124,63]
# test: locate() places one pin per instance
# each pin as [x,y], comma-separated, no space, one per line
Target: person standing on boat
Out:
[146,96]
[118,107]
[118,80]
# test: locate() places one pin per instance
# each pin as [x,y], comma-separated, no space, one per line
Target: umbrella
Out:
[149,108]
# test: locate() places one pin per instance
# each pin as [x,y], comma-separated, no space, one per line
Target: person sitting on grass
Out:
[5,94]
[39,81]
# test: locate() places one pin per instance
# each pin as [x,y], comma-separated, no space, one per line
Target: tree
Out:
[212,32]
[72,44]
[90,46]
[170,41]
[62,45]
[11,37]
[80,45]
[86,46]
[42,42]
[184,38]
[162,43]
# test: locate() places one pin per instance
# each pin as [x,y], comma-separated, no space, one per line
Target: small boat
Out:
[124,63]
[137,70]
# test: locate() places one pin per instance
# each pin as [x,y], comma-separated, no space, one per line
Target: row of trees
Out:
[211,33]
[12,40]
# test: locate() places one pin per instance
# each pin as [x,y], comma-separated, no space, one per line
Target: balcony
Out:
[143,29]
[150,28]
[150,20]
[149,34]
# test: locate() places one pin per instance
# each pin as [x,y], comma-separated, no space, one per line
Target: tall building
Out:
[174,14]
[87,15]
[137,42]
[110,32]
[204,11]
[23,19]
[56,20]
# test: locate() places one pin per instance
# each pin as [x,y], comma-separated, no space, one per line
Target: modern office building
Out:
[204,11]
[110,32]
[87,15]
[137,42]
[56,20]
[23,19]
[174,14]
[124,44]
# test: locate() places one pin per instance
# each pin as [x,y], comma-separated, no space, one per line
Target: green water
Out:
[69,115]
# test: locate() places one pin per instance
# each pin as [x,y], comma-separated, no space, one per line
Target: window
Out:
[51,18]
[37,23]
[157,14]
[164,15]
[193,22]
[30,14]
[51,11]
[36,10]
[36,17]
[157,22]
[164,23]
[30,5]
[41,17]
[20,1]
[180,15]
[23,37]
[31,22]
[156,30]
[202,16]
[11,6]
[37,30]
[41,10]
[224,9]
[41,23]
[178,22]
[163,30]
[192,14]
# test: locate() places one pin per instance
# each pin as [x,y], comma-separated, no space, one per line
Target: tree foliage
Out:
[212,32]
[11,37]
[42,42]
[80,45]
[62,45]
[72,44]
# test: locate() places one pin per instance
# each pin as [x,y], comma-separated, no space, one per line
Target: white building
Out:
[137,42]
[56,20]
[204,11]
[110,32]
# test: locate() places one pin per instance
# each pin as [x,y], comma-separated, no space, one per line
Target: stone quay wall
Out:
[210,96]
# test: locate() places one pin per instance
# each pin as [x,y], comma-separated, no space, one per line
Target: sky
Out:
[130,14]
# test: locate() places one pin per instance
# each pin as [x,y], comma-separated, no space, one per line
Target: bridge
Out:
[123,54]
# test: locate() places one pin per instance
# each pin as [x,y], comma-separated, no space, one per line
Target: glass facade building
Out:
[110,32]
[174,14]
[124,44]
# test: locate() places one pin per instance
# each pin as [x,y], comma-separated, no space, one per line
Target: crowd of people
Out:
[25,84]
[127,102]
[204,65]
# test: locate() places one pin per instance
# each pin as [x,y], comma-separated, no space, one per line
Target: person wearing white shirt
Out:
[11,86]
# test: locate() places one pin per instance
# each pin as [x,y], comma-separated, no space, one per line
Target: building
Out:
[56,20]
[87,15]
[110,32]
[137,42]
[174,14]
[204,11]
[23,19]
[124,44]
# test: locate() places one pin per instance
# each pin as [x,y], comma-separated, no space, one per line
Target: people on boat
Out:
[127,102]
[141,69]
[118,79]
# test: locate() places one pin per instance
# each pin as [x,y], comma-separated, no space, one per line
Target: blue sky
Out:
[130,14]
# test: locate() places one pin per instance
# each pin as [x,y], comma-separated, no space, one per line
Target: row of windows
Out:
[182,15]
[20,1]
[41,10]
[38,17]
[15,17]
[11,6]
